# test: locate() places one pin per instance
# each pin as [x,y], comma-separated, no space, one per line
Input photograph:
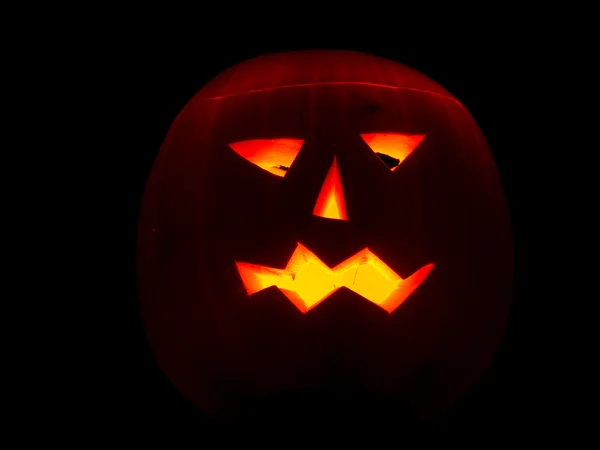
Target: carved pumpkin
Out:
[324,218]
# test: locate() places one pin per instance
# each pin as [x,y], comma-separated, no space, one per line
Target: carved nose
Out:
[330,203]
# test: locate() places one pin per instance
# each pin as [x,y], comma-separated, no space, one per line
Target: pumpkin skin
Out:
[206,208]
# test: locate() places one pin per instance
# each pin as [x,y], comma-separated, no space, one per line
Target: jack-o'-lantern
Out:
[322,218]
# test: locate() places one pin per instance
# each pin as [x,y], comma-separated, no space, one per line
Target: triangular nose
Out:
[330,203]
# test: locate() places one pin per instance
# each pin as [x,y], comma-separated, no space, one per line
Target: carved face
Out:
[318,217]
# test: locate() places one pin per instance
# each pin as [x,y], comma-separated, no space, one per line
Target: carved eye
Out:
[273,155]
[392,148]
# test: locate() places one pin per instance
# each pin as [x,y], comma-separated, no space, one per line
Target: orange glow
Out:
[273,155]
[395,145]
[306,281]
[330,203]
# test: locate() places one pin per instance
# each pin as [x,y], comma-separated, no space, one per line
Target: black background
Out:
[141,87]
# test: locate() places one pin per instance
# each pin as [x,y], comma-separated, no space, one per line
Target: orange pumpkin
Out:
[324,218]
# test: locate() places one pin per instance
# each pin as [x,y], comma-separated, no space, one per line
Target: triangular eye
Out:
[273,155]
[392,148]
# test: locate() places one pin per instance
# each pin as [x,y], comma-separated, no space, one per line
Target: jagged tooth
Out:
[370,285]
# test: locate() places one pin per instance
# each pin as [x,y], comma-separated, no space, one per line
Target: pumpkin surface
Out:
[324,218]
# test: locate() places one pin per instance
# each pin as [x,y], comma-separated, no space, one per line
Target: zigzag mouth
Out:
[307,281]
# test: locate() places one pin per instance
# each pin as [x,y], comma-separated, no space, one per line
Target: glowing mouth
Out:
[306,281]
